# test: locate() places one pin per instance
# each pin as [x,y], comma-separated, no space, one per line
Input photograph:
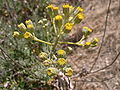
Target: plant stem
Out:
[56,42]
[78,44]
[38,40]
[83,37]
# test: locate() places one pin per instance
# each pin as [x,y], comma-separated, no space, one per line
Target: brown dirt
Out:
[109,78]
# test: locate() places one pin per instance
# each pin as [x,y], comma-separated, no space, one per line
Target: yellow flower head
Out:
[61,52]
[55,8]
[80,16]
[51,71]
[27,22]
[88,43]
[27,35]
[95,40]
[80,9]
[43,55]
[68,26]
[30,26]
[71,7]
[22,26]
[49,6]
[68,72]
[47,62]
[61,61]
[58,17]
[87,29]
[66,6]
[15,34]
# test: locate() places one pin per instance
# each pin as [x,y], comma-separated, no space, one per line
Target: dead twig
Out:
[103,37]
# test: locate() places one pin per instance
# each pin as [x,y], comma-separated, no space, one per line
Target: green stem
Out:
[83,37]
[56,42]
[38,40]
[71,43]
[54,26]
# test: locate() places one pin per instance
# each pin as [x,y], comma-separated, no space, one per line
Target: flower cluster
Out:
[67,18]
[55,66]
[68,26]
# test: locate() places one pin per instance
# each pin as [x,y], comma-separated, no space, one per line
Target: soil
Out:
[82,59]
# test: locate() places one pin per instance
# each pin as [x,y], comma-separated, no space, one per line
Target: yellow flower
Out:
[66,6]
[80,16]
[61,61]
[58,17]
[66,10]
[71,7]
[51,71]
[87,29]
[68,72]
[22,26]
[43,55]
[96,40]
[30,26]
[68,26]
[88,43]
[61,52]
[80,9]
[27,22]
[15,34]
[47,62]
[49,6]
[55,8]
[27,35]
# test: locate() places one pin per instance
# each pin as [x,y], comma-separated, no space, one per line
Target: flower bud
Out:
[66,9]
[52,71]
[22,27]
[49,8]
[79,17]
[16,34]
[61,61]
[79,9]
[86,31]
[61,52]
[55,10]
[87,44]
[68,27]
[58,21]
[27,22]
[94,42]
[27,35]
[43,55]
[47,62]
[68,71]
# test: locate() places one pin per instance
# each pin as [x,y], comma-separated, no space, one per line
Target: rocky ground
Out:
[82,59]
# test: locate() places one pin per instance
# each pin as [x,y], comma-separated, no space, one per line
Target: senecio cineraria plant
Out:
[62,19]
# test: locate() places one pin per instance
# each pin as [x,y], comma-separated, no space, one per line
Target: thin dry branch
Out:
[103,37]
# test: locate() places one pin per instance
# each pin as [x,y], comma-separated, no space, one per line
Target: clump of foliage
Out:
[38,59]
